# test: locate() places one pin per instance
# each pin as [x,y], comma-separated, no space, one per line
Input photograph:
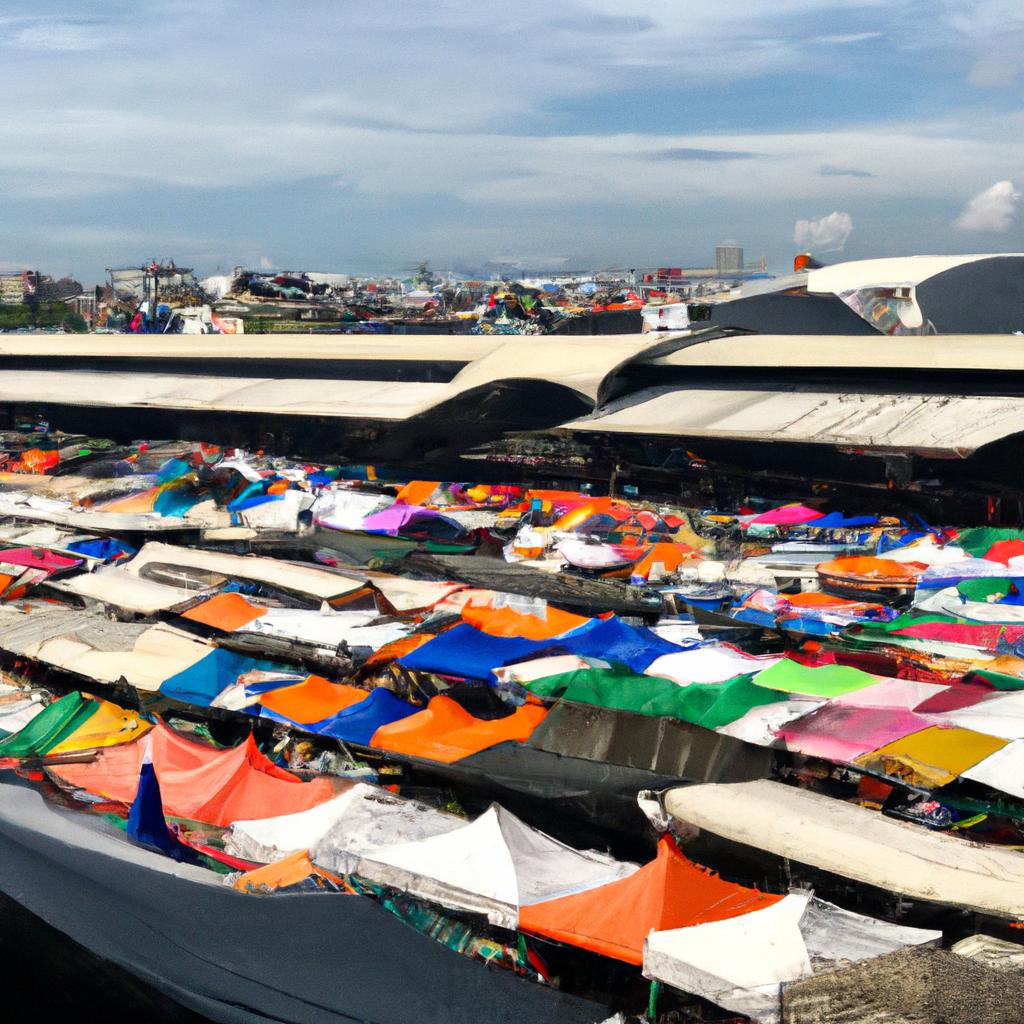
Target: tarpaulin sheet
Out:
[226,612]
[198,782]
[465,651]
[360,817]
[707,664]
[669,892]
[107,726]
[510,623]
[932,757]
[825,681]
[838,733]
[977,540]
[494,865]
[708,705]
[203,681]
[50,726]
[446,732]
[312,700]
[37,558]
[359,722]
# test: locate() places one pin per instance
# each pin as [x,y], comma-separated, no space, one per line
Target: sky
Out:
[354,136]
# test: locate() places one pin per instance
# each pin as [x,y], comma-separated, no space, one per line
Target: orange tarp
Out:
[227,612]
[867,568]
[669,892]
[397,649]
[417,492]
[199,782]
[446,732]
[312,700]
[671,556]
[282,873]
[509,622]
[141,501]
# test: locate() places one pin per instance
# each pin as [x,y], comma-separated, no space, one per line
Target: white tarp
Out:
[857,843]
[1003,770]
[346,510]
[950,602]
[114,585]
[492,866]
[708,664]
[292,576]
[337,831]
[327,628]
[743,963]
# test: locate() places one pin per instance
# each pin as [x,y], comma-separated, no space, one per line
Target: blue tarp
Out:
[358,722]
[466,651]
[204,680]
[837,521]
[146,822]
[106,548]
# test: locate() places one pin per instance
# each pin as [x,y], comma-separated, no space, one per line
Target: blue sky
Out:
[359,136]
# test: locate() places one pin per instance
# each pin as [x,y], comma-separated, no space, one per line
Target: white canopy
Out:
[743,962]
[492,866]
[337,831]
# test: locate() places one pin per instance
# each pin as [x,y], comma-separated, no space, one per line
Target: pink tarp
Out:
[896,694]
[787,515]
[842,734]
[38,558]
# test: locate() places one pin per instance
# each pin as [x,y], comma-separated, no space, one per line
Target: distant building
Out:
[728,259]
[17,288]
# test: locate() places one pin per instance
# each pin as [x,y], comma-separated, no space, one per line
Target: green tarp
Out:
[50,727]
[978,539]
[997,680]
[824,681]
[709,705]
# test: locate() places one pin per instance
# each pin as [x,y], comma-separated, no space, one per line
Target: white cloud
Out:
[995,209]
[266,263]
[826,234]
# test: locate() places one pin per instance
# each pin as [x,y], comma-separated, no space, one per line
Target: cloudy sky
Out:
[347,135]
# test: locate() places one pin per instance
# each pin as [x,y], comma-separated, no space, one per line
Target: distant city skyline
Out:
[364,137]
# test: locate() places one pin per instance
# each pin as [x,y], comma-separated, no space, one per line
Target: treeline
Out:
[41,314]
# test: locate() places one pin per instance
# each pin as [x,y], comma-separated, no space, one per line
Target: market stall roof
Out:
[615,919]
[933,424]
[495,865]
[741,963]
[856,843]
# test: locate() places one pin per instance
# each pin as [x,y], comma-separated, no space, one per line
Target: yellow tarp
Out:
[931,757]
[108,727]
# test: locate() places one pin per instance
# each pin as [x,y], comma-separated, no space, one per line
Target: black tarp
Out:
[984,297]
[311,958]
[788,313]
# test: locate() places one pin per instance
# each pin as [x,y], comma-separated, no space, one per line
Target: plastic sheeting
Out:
[359,722]
[327,628]
[823,681]
[338,830]
[495,865]
[932,757]
[312,700]
[842,734]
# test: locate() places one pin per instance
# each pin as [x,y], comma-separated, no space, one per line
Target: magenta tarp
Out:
[787,515]
[838,733]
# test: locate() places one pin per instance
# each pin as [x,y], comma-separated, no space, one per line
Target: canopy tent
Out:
[741,963]
[198,782]
[495,865]
[668,892]
[338,830]
[446,732]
